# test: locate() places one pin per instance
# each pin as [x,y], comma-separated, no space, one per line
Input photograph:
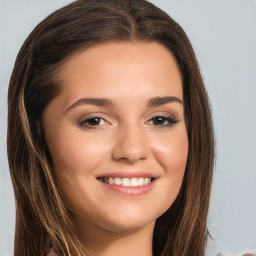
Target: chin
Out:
[131,219]
[128,226]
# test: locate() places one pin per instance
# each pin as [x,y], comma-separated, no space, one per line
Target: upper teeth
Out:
[127,182]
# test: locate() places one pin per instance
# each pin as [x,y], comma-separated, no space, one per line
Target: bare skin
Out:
[138,132]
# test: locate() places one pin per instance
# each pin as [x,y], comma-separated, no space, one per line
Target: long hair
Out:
[41,214]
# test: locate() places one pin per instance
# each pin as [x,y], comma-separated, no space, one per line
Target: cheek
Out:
[77,152]
[74,160]
[171,152]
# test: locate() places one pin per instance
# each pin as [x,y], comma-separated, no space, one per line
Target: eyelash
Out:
[171,121]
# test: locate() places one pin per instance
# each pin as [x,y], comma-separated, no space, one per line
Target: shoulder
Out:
[212,248]
[51,252]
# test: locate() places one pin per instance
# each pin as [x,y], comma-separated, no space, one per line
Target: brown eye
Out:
[163,121]
[93,122]
[159,120]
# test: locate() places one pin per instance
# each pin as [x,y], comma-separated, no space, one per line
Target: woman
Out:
[110,138]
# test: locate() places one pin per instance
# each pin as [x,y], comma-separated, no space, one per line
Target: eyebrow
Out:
[158,101]
[103,102]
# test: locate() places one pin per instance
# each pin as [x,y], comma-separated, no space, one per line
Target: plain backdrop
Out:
[223,34]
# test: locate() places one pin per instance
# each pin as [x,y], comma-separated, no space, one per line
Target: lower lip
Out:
[131,191]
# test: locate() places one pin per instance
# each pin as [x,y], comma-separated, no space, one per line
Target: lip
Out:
[130,191]
[128,174]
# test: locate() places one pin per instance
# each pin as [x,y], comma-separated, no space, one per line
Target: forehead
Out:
[111,68]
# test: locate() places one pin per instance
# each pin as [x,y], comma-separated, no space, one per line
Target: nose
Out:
[131,144]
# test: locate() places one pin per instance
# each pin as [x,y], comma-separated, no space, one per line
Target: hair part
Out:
[41,215]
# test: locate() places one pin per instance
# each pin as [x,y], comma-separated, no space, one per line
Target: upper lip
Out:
[128,174]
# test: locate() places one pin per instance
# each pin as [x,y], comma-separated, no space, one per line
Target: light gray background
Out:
[223,33]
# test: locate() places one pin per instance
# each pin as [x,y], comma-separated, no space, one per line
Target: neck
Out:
[105,242]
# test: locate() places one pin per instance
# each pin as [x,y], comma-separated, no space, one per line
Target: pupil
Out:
[94,121]
[159,120]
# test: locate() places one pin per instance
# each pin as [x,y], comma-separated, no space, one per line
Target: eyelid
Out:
[163,114]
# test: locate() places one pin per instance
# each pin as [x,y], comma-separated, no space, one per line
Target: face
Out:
[117,136]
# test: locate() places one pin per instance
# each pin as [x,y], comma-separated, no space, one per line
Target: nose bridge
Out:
[131,143]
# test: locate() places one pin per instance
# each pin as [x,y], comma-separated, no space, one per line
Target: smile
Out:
[127,182]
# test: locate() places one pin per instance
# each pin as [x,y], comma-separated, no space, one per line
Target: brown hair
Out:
[41,214]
